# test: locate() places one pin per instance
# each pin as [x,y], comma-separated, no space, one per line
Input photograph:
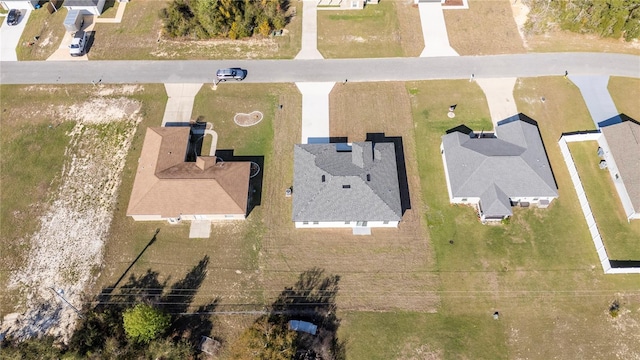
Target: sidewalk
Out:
[117,19]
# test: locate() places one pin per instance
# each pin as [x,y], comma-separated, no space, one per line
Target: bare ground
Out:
[67,248]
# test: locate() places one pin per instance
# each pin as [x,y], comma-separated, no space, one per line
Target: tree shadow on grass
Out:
[103,317]
[313,299]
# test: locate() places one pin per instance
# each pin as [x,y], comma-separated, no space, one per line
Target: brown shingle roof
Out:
[166,185]
[624,142]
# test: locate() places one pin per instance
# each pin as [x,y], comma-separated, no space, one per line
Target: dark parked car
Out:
[233,73]
[13,17]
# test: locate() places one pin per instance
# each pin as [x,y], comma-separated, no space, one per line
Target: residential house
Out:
[19,4]
[86,7]
[495,171]
[346,186]
[344,4]
[621,151]
[169,186]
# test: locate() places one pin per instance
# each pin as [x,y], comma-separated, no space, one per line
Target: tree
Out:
[143,323]
[610,18]
[268,338]
[234,19]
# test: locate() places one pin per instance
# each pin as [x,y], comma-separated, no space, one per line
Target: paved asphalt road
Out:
[335,70]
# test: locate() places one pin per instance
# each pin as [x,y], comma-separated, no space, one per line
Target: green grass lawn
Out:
[220,106]
[50,30]
[532,269]
[367,33]
[621,238]
[413,335]
[625,93]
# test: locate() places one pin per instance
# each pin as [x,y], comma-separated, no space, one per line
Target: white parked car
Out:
[78,44]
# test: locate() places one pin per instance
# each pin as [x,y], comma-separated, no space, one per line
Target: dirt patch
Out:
[249,119]
[520,12]
[67,248]
[471,34]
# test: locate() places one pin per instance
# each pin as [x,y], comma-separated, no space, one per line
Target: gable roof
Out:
[335,182]
[166,185]
[623,139]
[511,164]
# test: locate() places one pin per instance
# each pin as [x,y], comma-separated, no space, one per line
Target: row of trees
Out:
[205,19]
[607,18]
[140,320]
[126,324]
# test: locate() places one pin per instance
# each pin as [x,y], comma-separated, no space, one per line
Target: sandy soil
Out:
[67,249]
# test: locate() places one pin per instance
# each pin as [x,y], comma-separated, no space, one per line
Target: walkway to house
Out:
[596,96]
[180,102]
[434,31]
[200,229]
[309,47]
[315,111]
[117,19]
[10,36]
[499,94]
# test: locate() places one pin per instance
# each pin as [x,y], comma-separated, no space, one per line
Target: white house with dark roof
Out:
[497,170]
[346,186]
[93,7]
[19,4]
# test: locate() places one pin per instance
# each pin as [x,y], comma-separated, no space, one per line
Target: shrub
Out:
[143,323]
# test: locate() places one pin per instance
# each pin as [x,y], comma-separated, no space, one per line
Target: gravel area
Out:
[66,251]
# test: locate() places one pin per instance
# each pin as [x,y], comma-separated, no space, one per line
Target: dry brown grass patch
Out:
[487,27]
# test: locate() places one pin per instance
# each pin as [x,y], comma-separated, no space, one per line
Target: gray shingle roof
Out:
[334,185]
[514,162]
[623,138]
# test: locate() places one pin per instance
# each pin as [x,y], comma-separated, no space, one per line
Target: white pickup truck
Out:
[78,43]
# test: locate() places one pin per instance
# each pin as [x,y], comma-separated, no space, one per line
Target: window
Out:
[386,222]
[305,223]
[315,223]
[347,222]
[323,178]
[346,186]
[535,199]
[354,4]
[464,200]
[368,177]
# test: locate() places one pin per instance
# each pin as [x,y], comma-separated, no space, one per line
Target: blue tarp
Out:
[303,326]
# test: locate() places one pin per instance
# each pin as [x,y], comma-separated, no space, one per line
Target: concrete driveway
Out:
[62,53]
[315,111]
[10,36]
[595,92]
[180,103]
[499,94]
[434,31]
